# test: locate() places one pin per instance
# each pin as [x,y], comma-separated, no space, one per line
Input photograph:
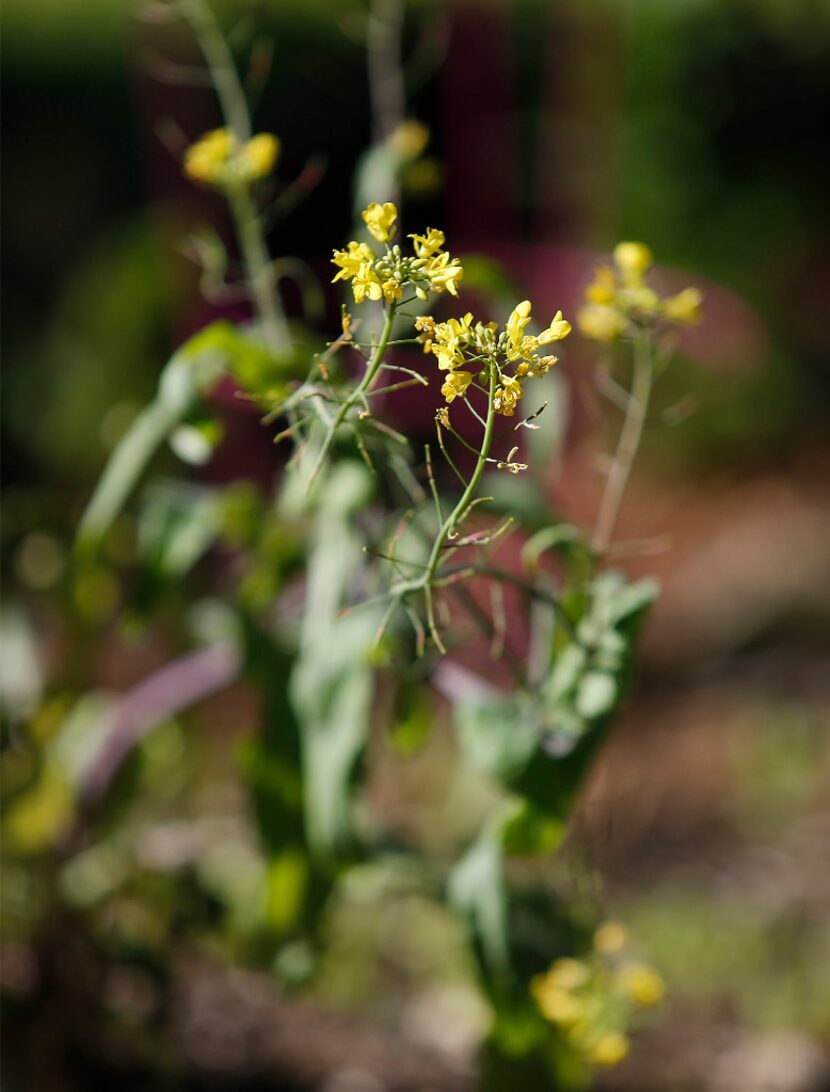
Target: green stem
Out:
[258,266]
[457,513]
[358,393]
[627,445]
[222,69]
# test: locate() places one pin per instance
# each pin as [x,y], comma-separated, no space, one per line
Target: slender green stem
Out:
[627,445]
[359,392]
[458,512]
[258,266]
[231,94]
[223,72]
[425,581]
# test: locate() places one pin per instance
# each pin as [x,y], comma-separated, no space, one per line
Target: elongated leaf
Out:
[476,890]
[332,683]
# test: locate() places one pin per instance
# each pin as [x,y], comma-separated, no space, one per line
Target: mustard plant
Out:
[380,543]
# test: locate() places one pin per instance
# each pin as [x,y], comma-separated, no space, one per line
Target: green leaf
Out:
[496,734]
[475,888]
[332,683]
[596,694]
[192,371]
[177,525]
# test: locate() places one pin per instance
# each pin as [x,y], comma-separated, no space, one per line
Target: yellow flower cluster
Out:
[217,159]
[593,1000]
[517,356]
[429,269]
[619,298]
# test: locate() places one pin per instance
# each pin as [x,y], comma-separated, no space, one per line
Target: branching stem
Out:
[359,392]
[629,441]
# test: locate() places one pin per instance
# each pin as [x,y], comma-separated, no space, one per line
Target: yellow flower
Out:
[351,260]
[391,290]
[610,1049]
[217,160]
[444,273]
[425,325]
[455,385]
[603,288]
[450,337]
[642,984]
[569,974]
[558,1006]
[633,260]
[206,160]
[410,138]
[427,245]
[515,328]
[557,330]
[610,937]
[541,366]
[258,156]
[601,323]
[356,264]
[380,220]
[684,307]
[442,416]
[507,395]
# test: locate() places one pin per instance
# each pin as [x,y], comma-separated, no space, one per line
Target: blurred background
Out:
[136,928]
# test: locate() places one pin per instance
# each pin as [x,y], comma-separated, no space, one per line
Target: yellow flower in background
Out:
[257,157]
[601,323]
[410,138]
[603,288]
[456,384]
[380,220]
[610,937]
[684,307]
[569,974]
[216,159]
[633,260]
[205,161]
[642,984]
[619,300]
[595,1000]
[610,1049]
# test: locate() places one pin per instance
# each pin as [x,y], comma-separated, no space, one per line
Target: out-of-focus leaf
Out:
[331,686]
[413,719]
[496,734]
[191,372]
[476,889]
[40,816]
[21,673]
[177,525]
[596,694]
[590,670]
[566,539]
[530,831]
